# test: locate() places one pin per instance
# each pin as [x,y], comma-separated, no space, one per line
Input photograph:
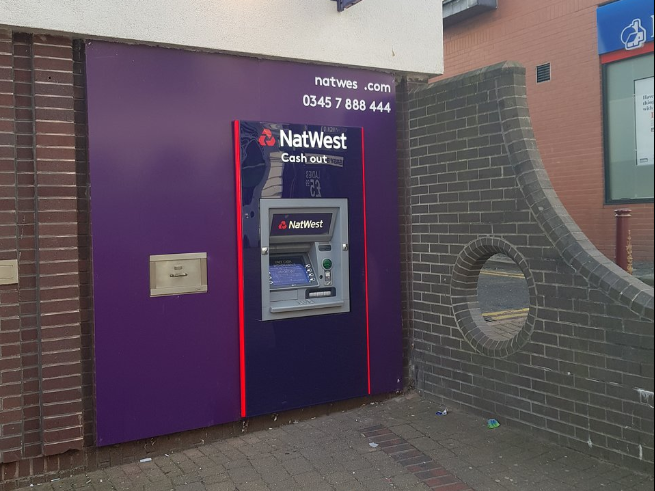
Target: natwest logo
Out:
[282,225]
[302,224]
[266,139]
[312,139]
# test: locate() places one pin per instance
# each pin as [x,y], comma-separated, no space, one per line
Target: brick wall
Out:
[84,241]
[11,375]
[580,371]
[566,111]
[404,220]
[40,216]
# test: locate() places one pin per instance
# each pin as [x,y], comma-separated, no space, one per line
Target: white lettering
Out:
[312,139]
[318,159]
[285,141]
[303,224]
[294,159]
[335,82]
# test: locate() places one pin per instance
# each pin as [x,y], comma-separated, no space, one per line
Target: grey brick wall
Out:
[404,220]
[580,372]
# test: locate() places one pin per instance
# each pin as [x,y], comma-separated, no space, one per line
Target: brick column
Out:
[40,318]
[44,225]
[404,186]
[10,348]
[25,206]
[84,242]
[58,255]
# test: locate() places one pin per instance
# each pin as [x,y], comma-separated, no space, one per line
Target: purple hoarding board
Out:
[162,182]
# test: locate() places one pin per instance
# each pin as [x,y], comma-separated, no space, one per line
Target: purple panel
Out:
[294,80]
[298,362]
[162,182]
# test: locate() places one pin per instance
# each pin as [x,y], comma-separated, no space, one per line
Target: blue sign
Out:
[624,25]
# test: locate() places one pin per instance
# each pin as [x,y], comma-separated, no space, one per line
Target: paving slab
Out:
[399,444]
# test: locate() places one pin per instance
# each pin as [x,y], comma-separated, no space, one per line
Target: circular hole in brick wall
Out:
[492,294]
[503,297]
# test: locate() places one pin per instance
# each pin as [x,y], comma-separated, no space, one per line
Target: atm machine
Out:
[303,312]
[304,257]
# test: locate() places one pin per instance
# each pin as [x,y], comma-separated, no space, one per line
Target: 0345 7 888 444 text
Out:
[350,104]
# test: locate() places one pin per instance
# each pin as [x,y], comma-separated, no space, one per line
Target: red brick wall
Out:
[11,375]
[41,213]
[566,112]
[84,242]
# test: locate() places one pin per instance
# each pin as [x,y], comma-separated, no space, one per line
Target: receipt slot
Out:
[304,257]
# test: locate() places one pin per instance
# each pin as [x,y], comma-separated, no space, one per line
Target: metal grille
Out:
[543,73]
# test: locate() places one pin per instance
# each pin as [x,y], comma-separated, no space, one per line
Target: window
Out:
[628,104]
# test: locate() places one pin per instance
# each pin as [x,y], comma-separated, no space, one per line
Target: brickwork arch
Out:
[584,375]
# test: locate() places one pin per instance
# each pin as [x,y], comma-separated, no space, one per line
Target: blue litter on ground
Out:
[492,423]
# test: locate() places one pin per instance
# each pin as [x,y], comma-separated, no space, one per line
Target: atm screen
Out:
[288,271]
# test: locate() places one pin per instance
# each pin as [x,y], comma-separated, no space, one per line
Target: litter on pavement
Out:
[492,423]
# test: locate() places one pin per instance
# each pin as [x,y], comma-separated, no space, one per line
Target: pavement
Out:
[397,444]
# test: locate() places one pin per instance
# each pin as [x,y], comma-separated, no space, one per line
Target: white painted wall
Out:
[402,36]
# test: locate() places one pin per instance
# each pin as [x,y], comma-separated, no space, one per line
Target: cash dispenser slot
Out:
[304,245]
[321,293]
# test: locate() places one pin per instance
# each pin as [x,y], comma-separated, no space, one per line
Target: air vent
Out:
[543,73]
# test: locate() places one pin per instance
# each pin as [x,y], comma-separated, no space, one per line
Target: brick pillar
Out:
[10,340]
[84,242]
[40,319]
[57,266]
[25,206]
[404,186]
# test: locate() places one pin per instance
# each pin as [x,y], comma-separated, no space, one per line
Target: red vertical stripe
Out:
[368,337]
[242,350]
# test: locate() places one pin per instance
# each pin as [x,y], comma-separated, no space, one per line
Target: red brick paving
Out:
[422,466]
